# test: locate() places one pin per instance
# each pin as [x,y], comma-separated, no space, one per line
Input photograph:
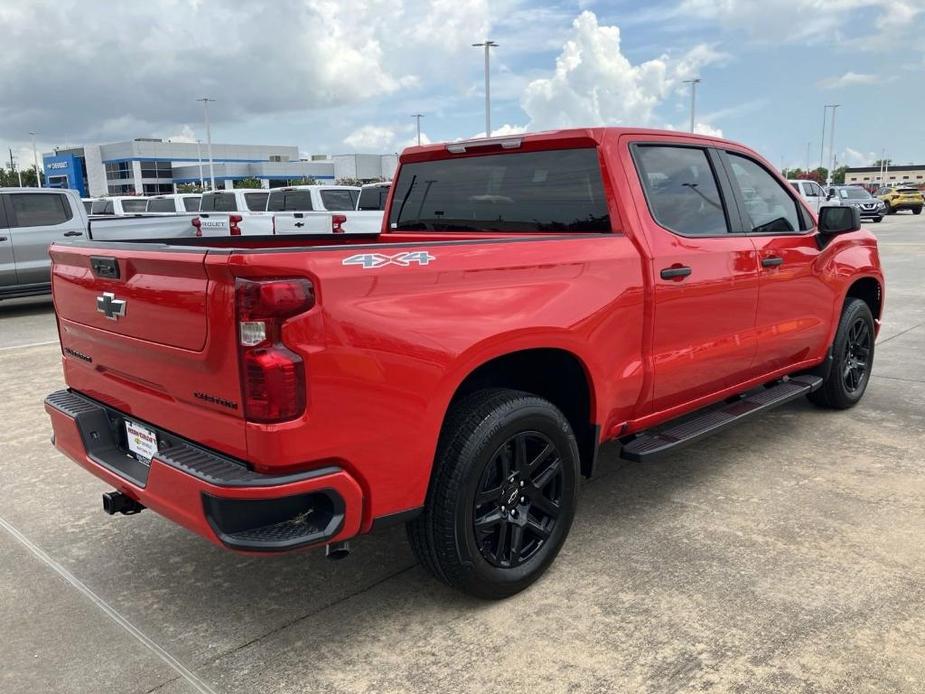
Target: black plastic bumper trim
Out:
[101,430]
[277,524]
[381,522]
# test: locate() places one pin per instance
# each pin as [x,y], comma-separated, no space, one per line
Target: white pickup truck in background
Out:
[321,209]
[118,205]
[239,212]
[176,203]
[373,196]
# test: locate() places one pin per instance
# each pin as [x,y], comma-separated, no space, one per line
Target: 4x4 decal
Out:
[373,260]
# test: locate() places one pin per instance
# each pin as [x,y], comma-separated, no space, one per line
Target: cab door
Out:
[7,266]
[705,276]
[36,220]
[794,303]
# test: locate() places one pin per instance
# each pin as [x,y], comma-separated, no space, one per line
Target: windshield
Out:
[161,205]
[373,198]
[558,190]
[290,201]
[339,200]
[853,194]
[134,206]
[218,202]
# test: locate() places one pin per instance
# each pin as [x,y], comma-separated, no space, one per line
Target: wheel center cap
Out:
[510,494]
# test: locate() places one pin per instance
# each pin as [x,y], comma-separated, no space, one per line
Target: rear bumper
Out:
[216,497]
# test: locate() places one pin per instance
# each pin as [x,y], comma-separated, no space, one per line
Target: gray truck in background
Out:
[31,219]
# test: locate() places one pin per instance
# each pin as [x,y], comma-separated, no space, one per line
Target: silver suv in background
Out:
[30,220]
[869,206]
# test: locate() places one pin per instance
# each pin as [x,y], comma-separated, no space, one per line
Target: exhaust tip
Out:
[117,502]
[337,550]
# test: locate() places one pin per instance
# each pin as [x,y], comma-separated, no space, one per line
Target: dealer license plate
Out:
[141,440]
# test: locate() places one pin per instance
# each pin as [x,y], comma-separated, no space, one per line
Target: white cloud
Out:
[185,134]
[503,131]
[595,84]
[379,138]
[707,129]
[853,157]
[848,79]
[809,21]
[138,70]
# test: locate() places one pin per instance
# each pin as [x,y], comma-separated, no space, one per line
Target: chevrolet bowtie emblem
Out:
[110,306]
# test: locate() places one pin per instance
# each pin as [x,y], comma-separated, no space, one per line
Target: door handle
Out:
[2,238]
[772,261]
[677,272]
[73,233]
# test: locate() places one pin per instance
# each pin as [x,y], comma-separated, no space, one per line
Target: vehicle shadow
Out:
[26,306]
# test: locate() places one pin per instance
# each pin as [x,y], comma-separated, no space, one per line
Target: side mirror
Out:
[839,220]
[830,194]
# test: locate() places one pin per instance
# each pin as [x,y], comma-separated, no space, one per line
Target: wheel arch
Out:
[530,370]
[870,291]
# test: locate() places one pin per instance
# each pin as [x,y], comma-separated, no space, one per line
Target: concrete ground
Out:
[785,555]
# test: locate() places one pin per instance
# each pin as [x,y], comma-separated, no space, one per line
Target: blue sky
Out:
[345,76]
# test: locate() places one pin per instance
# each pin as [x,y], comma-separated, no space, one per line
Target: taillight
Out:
[272,376]
[336,221]
[233,221]
[198,224]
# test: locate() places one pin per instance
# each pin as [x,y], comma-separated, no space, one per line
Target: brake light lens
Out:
[198,224]
[337,220]
[272,375]
[233,221]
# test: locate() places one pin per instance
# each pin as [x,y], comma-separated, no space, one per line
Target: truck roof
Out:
[516,141]
[316,186]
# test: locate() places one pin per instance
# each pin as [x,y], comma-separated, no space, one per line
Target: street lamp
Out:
[35,160]
[488,46]
[205,112]
[202,183]
[694,82]
[417,117]
[832,143]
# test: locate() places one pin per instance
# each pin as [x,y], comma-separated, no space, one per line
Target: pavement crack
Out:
[907,330]
[293,622]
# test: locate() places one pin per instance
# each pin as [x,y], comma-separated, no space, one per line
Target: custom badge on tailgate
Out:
[373,260]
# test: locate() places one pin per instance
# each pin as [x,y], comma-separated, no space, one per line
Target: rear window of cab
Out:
[554,190]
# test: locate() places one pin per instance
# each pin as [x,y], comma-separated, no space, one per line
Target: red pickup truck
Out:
[527,299]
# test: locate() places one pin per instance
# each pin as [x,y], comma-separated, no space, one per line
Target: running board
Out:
[648,445]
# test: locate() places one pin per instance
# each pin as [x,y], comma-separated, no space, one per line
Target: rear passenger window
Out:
[681,189]
[290,201]
[338,200]
[191,204]
[160,205]
[256,202]
[768,206]
[39,209]
[218,202]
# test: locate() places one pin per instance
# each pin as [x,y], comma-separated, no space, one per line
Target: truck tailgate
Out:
[146,331]
[159,298]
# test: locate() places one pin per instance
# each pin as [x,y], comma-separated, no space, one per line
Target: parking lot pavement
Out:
[784,555]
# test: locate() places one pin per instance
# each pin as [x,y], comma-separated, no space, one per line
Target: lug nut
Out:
[523,499]
[521,483]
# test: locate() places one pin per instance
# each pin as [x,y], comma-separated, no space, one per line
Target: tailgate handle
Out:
[73,233]
[103,266]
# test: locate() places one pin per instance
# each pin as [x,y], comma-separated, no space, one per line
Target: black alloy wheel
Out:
[857,355]
[517,504]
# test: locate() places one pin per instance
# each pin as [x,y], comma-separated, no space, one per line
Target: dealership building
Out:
[913,174]
[148,166]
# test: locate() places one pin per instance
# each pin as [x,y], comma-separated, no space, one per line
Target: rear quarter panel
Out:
[386,348]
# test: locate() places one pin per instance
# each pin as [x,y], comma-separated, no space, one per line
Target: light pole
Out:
[202,183]
[694,82]
[825,111]
[13,167]
[832,143]
[205,112]
[417,117]
[488,46]
[35,160]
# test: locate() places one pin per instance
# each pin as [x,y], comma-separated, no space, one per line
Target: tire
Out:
[889,209]
[877,220]
[846,382]
[916,210]
[463,537]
